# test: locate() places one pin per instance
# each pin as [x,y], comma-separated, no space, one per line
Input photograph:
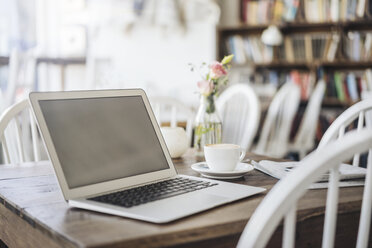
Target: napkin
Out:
[349,175]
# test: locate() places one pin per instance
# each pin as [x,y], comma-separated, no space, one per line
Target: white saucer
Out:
[240,170]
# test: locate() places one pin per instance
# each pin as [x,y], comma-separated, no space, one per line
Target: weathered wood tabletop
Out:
[33,213]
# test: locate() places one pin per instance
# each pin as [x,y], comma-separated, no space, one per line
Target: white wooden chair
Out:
[338,126]
[15,137]
[239,109]
[168,109]
[281,201]
[274,138]
[304,140]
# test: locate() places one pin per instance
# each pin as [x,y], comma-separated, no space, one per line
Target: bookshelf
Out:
[326,45]
[298,26]
[341,65]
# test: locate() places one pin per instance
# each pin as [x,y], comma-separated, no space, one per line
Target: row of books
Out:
[256,12]
[309,47]
[358,46]
[347,86]
[266,82]
[274,79]
[296,48]
[264,11]
[334,10]
[249,49]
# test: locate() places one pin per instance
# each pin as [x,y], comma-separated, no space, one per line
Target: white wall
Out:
[156,62]
[154,54]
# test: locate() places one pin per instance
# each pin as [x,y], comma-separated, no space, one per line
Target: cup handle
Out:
[242,155]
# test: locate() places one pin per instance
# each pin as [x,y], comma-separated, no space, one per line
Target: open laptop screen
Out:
[102,139]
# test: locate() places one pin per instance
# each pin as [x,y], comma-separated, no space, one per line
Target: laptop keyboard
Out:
[152,192]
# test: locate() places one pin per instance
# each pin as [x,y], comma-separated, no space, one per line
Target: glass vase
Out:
[208,125]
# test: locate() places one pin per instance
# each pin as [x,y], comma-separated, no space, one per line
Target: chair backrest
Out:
[281,201]
[305,137]
[19,134]
[240,111]
[274,138]
[22,69]
[368,95]
[168,109]
[338,126]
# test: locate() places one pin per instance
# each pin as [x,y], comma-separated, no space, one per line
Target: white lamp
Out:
[272,36]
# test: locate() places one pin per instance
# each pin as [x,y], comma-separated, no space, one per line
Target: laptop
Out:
[109,156]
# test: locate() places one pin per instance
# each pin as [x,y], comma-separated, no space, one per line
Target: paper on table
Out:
[349,175]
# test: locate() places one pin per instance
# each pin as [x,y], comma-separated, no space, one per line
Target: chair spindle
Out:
[289,228]
[364,226]
[34,136]
[18,133]
[331,208]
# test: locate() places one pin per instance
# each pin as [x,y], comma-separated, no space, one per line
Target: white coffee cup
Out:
[223,157]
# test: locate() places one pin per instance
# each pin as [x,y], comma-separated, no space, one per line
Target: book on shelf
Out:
[299,48]
[351,9]
[278,11]
[236,45]
[309,47]
[341,95]
[361,5]
[312,13]
[358,46]
[289,52]
[319,41]
[331,86]
[352,87]
[347,86]
[368,80]
[305,81]
[334,10]
[332,49]
[249,49]
[291,7]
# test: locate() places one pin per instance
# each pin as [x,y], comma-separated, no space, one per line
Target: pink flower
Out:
[217,70]
[205,87]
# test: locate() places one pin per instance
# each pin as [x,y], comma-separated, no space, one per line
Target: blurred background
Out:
[322,47]
[90,44]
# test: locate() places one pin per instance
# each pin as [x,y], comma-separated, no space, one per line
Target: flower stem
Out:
[210,106]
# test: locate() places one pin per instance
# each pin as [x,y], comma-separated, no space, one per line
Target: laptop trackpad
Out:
[181,205]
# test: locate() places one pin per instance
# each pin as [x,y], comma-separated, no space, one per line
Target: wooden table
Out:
[33,213]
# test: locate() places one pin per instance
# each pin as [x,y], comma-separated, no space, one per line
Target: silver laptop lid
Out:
[101,141]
